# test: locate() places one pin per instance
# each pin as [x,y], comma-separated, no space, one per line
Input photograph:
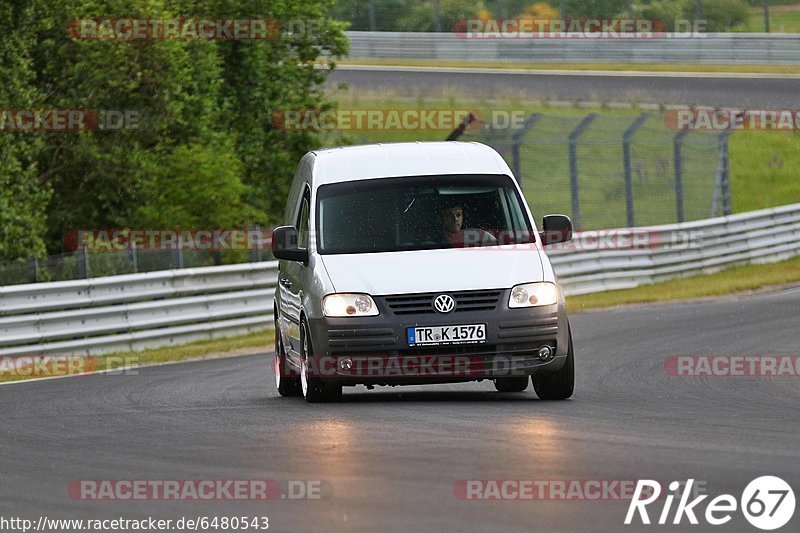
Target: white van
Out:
[416,263]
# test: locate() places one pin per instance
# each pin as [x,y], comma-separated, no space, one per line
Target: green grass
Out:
[731,281]
[765,165]
[765,169]
[613,67]
[251,343]
[782,19]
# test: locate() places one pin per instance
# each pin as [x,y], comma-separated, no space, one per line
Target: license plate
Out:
[435,335]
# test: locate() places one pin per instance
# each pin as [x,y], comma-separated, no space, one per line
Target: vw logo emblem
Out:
[444,303]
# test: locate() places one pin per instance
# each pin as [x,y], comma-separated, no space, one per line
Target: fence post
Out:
[678,162]
[178,254]
[35,269]
[516,142]
[722,186]
[726,173]
[573,166]
[459,131]
[255,253]
[84,270]
[134,257]
[626,154]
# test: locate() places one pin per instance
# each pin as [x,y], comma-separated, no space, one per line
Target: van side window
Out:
[302,222]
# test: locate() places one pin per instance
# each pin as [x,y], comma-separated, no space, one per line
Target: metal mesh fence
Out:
[81,265]
[604,171]
[609,171]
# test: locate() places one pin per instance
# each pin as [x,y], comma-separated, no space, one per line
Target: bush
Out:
[421,17]
[540,10]
[722,15]
[716,15]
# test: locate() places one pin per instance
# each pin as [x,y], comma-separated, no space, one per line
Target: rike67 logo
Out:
[767,503]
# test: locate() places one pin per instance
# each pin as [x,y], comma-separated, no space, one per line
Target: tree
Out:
[717,15]
[722,15]
[205,152]
[421,17]
[605,9]
[666,12]
[196,187]
[101,179]
[356,13]
[540,10]
[23,198]
[266,77]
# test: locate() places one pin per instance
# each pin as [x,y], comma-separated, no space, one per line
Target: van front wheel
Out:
[314,389]
[557,385]
[286,381]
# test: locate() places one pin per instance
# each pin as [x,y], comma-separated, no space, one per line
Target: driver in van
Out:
[451,218]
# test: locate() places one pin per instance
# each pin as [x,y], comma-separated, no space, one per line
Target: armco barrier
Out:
[762,236]
[720,48]
[135,312]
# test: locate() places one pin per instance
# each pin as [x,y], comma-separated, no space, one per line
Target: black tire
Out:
[314,389]
[287,381]
[557,385]
[515,384]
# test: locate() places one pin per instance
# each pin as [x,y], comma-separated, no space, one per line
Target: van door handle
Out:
[286,282]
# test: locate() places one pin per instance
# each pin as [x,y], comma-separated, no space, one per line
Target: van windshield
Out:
[419,213]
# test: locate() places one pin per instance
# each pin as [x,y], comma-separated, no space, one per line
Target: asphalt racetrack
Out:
[388,459]
[754,91]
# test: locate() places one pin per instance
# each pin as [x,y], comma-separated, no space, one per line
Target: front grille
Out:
[449,350]
[422,304]
[528,329]
[340,339]
[513,351]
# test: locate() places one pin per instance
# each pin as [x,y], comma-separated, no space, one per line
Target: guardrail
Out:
[700,246]
[139,311]
[721,48]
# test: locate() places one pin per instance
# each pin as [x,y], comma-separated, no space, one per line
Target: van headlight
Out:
[533,294]
[343,305]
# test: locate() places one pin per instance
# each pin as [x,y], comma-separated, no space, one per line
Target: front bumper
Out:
[378,352]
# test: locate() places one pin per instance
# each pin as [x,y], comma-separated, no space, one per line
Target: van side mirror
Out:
[555,229]
[284,245]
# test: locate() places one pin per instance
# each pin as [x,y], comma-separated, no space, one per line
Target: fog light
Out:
[345,363]
[545,353]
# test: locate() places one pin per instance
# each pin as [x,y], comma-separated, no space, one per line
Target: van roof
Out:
[405,159]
